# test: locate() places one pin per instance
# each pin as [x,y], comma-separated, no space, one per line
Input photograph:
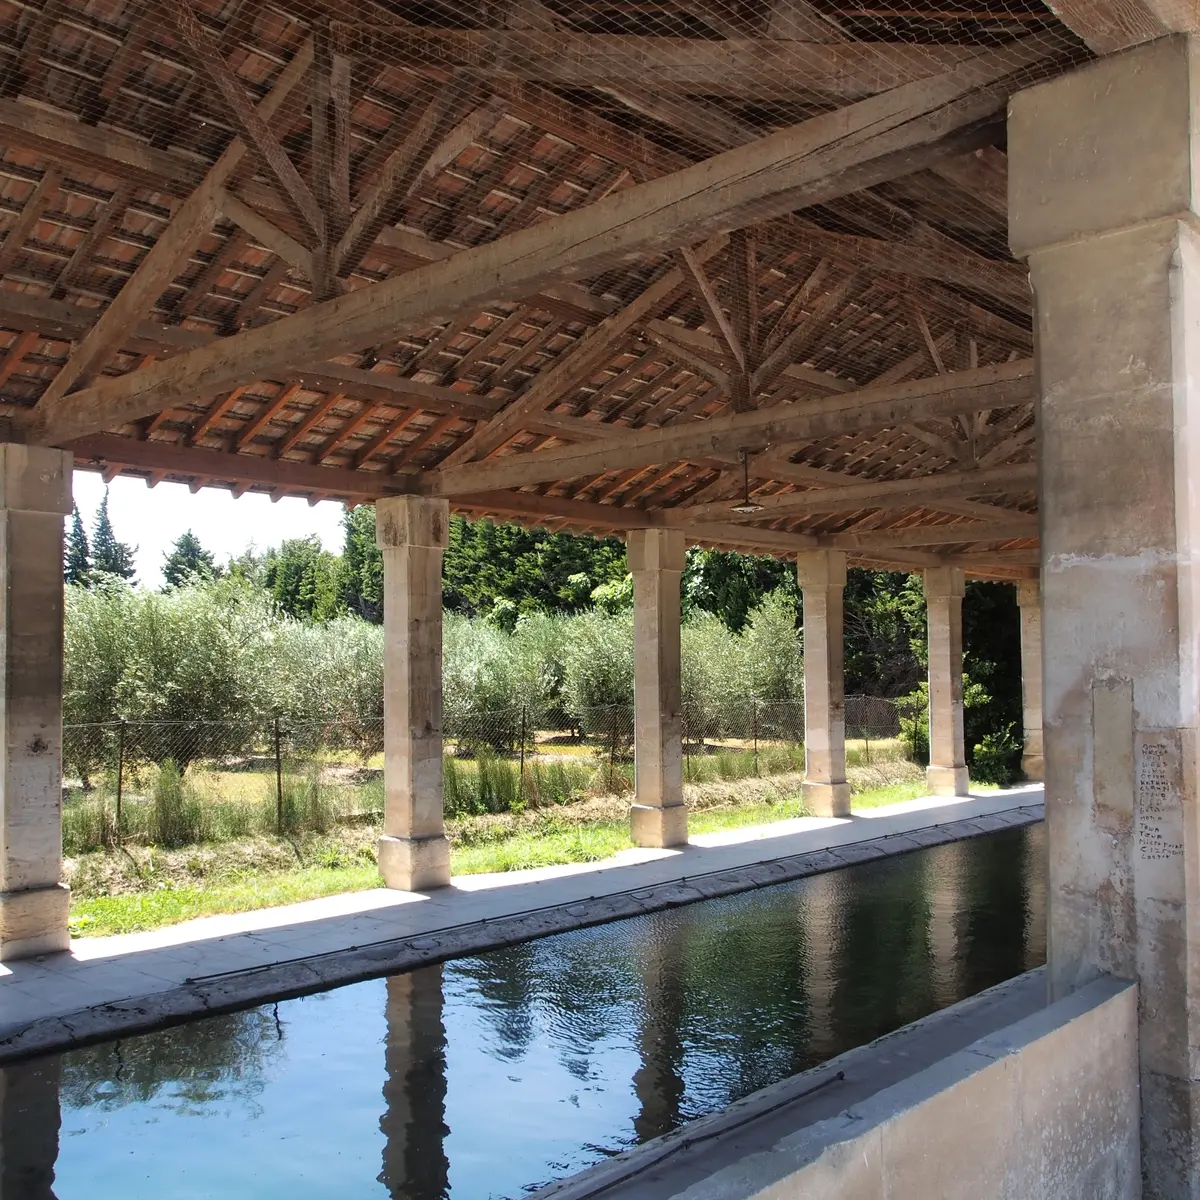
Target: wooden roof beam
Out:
[248,469]
[1110,25]
[869,408]
[743,68]
[827,156]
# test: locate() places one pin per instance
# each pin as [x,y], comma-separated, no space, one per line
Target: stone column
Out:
[947,773]
[414,854]
[659,817]
[822,576]
[1103,203]
[35,494]
[1029,598]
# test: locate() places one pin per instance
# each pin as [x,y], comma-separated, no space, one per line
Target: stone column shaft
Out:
[1103,202]
[35,494]
[947,773]
[1029,599]
[411,531]
[659,816]
[822,576]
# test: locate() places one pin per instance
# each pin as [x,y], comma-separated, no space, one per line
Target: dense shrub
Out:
[221,659]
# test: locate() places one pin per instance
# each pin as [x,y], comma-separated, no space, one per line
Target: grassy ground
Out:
[141,887]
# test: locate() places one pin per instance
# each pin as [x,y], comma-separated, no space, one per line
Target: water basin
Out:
[488,1076]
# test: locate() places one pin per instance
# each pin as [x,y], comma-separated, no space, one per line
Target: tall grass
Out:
[491,784]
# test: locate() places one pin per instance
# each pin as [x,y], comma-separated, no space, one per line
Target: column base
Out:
[34,922]
[414,864]
[658,828]
[947,781]
[1033,767]
[827,799]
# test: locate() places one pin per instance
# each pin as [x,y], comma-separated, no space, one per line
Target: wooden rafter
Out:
[170,251]
[249,120]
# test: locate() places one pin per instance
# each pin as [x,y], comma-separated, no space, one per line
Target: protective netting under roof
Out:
[194,171]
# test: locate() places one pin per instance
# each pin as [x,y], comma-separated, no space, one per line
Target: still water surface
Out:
[490,1075]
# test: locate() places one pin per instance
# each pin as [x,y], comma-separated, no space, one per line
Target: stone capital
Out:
[412,521]
[821,568]
[655,549]
[945,583]
[1029,593]
[35,478]
[1109,146]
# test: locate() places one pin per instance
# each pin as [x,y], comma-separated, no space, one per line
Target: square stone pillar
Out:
[659,816]
[947,771]
[1029,600]
[822,576]
[411,531]
[1103,203]
[35,494]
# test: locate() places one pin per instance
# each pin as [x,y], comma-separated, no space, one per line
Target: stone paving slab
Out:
[113,986]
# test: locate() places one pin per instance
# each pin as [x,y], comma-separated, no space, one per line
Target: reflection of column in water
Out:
[823,918]
[658,1082]
[945,872]
[29,1124]
[414,1116]
[1035,870]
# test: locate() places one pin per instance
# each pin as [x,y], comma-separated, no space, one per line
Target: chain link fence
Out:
[178,782]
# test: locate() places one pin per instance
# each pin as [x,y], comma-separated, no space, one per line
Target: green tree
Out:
[110,556]
[77,560]
[361,577]
[187,561]
[303,579]
[533,570]
[731,585]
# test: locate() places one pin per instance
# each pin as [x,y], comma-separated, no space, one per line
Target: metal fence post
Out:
[612,746]
[120,772]
[687,754]
[524,734]
[754,729]
[278,780]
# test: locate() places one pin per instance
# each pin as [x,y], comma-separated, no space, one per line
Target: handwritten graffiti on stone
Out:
[1159,814]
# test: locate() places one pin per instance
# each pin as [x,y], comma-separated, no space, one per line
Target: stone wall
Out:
[1046,1109]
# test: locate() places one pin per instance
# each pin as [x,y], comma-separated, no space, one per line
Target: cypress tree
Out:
[77,560]
[188,560]
[110,556]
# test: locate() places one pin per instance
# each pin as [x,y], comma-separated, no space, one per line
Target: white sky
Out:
[151,519]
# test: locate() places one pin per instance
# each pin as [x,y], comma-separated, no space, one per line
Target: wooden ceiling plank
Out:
[306,424]
[270,411]
[827,156]
[384,436]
